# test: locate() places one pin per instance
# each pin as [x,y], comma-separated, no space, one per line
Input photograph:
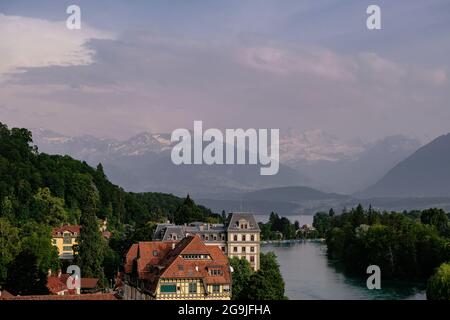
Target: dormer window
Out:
[155,253]
[215,272]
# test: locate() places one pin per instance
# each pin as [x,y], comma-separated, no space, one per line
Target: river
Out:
[309,274]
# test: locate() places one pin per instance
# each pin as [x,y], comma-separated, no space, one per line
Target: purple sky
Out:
[160,65]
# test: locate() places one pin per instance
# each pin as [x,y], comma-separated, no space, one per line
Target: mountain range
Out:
[394,173]
[426,173]
[312,158]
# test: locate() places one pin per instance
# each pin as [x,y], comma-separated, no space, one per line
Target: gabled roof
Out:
[170,263]
[235,217]
[71,229]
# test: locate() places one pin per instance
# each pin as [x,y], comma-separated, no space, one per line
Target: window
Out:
[180,267]
[235,249]
[67,248]
[252,259]
[216,288]
[252,249]
[66,238]
[244,249]
[223,249]
[215,272]
[168,288]
[243,237]
[193,287]
[235,237]
[252,237]
[155,253]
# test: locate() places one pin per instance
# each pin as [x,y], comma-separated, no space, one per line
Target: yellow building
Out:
[64,238]
[184,270]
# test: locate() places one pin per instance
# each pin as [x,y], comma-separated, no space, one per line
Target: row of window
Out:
[67,234]
[243,249]
[244,237]
[195,256]
[214,237]
[172,288]
[250,259]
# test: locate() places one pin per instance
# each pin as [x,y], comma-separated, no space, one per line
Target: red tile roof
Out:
[155,260]
[89,283]
[93,296]
[65,228]
[4,295]
[56,284]
[59,284]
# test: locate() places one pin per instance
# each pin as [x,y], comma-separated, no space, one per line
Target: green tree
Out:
[188,212]
[36,238]
[91,246]
[25,277]
[322,223]
[49,209]
[267,283]
[437,218]
[438,287]
[9,246]
[242,272]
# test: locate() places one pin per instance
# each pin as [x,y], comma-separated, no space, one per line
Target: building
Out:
[239,237]
[176,270]
[244,238]
[57,285]
[64,238]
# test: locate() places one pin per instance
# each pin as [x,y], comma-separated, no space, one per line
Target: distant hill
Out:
[291,194]
[283,200]
[426,173]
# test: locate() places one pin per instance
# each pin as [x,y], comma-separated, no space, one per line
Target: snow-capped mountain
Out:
[312,158]
[315,145]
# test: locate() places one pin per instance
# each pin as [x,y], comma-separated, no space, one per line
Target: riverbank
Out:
[309,275]
[292,241]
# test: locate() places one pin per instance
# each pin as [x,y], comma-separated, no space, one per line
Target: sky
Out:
[159,65]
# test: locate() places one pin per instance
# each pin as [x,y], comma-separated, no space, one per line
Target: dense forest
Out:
[40,191]
[407,245]
[281,228]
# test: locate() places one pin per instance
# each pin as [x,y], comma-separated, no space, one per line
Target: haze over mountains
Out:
[426,173]
[312,158]
[393,173]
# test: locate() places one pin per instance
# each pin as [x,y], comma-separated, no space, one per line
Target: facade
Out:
[64,238]
[240,237]
[176,270]
[244,238]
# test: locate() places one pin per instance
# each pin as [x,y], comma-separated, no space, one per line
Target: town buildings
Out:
[66,237]
[176,270]
[239,237]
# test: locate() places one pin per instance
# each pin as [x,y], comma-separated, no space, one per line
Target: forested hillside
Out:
[40,191]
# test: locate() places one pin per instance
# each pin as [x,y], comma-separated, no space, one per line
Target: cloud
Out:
[30,43]
[150,81]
